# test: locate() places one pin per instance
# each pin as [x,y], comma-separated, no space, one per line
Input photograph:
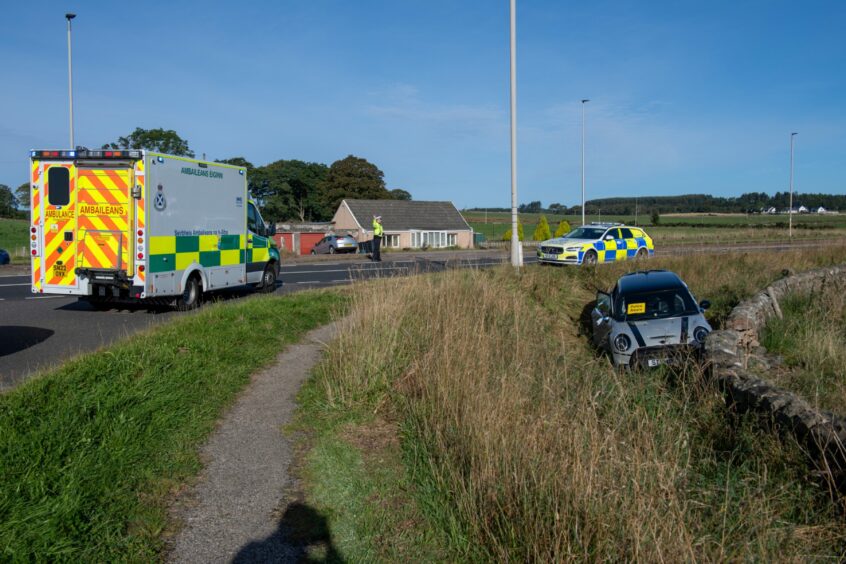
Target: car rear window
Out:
[655,305]
[627,233]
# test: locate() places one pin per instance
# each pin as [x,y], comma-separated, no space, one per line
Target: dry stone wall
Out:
[731,352]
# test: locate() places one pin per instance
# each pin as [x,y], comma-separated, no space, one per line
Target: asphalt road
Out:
[37,332]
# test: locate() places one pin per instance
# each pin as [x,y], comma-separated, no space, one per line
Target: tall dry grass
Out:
[527,446]
[812,339]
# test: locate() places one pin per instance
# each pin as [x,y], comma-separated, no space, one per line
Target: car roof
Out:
[647,281]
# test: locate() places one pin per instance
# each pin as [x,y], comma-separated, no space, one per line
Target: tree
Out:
[656,217]
[563,228]
[291,189]
[507,236]
[22,196]
[531,207]
[542,232]
[400,194]
[7,202]
[238,161]
[159,140]
[557,208]
[356,178]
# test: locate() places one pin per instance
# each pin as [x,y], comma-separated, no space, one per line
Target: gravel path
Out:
[232,513]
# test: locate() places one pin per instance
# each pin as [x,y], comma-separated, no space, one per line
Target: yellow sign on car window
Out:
[636,308]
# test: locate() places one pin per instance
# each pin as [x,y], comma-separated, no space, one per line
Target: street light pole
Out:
[516,258]
[790,211]
[583,159]
[69,17]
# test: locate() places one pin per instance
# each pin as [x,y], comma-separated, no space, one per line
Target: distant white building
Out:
[821,210]
[803,209]
[770,210]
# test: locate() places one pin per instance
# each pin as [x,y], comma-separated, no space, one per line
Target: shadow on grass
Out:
[303,535]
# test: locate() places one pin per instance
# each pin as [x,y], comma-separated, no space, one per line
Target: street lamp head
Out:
[585,100]
[794,133]
[70,16]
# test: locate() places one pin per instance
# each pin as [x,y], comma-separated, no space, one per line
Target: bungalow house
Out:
[407,224]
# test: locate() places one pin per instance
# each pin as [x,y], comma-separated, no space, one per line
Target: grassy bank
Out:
[518,443]
[811,337]
[90,452]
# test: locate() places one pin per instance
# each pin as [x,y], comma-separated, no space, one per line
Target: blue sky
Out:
[687,97]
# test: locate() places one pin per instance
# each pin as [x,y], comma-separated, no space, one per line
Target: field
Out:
[13,235]
[812,340]
[679,228]
[477,392]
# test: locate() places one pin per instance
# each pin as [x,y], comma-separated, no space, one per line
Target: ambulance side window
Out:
[252,224]
[58,186]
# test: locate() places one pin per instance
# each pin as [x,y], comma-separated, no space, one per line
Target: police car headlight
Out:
[699,334]
[572,248]
[622,342]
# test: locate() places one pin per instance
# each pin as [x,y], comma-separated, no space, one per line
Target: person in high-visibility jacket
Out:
[377,238]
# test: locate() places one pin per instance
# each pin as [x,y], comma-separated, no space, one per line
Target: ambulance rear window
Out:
[58,186]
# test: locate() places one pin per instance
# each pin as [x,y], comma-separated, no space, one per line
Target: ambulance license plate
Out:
[60,270]
[653,362]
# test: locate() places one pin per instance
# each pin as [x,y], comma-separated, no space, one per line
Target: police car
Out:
[596,243]
[649,319]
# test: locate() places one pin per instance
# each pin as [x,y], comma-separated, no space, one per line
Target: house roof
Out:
[402,215]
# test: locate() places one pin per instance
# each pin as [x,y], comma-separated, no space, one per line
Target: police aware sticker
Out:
[636,308]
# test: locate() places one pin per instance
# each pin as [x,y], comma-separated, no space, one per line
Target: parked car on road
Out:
[648,319]
[4,257]
[332,244]
[596,243]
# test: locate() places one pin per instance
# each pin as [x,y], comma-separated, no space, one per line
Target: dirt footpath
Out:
[232,513]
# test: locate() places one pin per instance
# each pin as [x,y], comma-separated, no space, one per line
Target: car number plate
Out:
[653,362]
[550,256]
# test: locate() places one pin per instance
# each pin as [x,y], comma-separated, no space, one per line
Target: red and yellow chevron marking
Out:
[35,207]
[59,254]
[140,216]
[104,219]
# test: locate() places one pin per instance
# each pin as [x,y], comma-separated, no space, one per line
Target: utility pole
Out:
[585,101]
[790,211]
[69,17]
[516,255]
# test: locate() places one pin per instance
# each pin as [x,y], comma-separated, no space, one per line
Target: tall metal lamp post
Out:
[516,255]
[790,210]
[69,17]
[585,101]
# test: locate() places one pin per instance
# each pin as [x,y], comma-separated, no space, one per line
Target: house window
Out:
[391,240]
[452,240]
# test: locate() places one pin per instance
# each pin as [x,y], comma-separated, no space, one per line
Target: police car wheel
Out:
[590,258]
[268,279]
[190,298]
[641,253]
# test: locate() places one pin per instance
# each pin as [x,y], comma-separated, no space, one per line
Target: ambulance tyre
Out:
[589,258]
[192,296]
[268,279]
[642,253]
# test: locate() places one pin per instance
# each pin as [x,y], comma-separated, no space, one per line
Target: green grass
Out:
[90,452]
[353,474]
[13,234]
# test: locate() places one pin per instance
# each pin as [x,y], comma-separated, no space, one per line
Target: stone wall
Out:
[730,352]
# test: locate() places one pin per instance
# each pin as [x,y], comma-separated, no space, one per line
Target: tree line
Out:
[750,202]
[284,189]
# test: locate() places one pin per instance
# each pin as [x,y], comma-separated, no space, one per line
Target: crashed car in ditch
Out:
[648,319]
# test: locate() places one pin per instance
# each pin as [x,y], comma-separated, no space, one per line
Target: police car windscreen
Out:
[654,305]
[585,233]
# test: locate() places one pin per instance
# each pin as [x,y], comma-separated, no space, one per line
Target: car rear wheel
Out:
[313,252]
[642,253]
[589,258]
[331,250]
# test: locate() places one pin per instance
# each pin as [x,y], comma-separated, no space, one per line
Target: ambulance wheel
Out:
[268,279]
[191,297]
[641,254]
[589,258]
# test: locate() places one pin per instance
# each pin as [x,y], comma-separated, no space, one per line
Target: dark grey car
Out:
[332,244]
[648,319]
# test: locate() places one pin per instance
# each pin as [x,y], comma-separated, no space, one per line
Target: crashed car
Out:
[597,243]
[649,319]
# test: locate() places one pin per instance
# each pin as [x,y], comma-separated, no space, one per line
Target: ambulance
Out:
[113,225]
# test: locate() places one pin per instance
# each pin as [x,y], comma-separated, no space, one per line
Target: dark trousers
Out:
[377,243]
